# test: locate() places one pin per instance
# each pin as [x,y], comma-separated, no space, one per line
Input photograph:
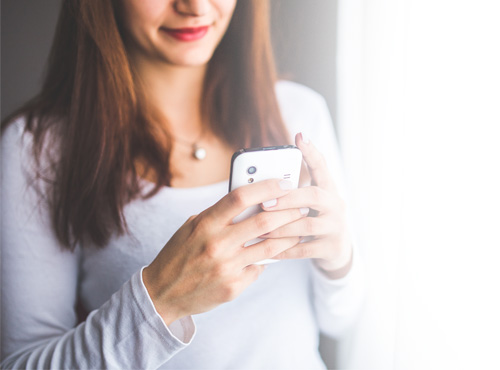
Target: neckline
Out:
[149,185]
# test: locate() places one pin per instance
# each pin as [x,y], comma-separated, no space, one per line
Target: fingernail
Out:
[270,203]
[286,185]
[304,211]
[305,139]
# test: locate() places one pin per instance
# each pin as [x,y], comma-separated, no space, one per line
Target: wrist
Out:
[168,315]
[336,269]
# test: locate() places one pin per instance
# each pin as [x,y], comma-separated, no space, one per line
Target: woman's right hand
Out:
[204,264]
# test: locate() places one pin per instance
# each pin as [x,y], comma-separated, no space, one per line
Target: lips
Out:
[187,34]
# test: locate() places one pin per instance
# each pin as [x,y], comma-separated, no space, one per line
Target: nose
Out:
[194,8]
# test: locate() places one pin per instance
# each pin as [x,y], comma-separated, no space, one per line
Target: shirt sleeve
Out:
[338,302]
[40,285]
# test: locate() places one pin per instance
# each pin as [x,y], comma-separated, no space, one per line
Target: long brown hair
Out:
[92,103]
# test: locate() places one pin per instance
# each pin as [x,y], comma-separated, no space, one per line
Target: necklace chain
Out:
[198,152]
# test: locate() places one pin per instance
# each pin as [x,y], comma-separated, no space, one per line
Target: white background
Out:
[419,121]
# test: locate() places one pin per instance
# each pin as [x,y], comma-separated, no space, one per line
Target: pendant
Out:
[199,153]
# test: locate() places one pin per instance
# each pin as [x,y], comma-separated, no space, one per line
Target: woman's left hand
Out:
[328,241]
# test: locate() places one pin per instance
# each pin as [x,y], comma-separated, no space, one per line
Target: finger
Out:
[315,162]
[246,196]
[259,224]
[247,276]
[311,249]
[266,249]
[310,196]
[251,273]
[306,226]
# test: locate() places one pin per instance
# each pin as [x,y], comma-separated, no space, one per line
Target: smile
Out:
[187,34]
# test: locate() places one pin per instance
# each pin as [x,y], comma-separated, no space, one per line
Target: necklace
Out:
[198,152]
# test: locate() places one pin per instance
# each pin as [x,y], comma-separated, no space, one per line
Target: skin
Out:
[205,264]
[172,73]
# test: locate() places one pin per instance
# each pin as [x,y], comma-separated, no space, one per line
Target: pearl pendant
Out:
[199,153]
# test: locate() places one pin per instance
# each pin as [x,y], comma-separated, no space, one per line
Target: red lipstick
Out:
[187,34]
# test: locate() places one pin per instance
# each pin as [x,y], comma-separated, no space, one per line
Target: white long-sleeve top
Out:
[273,324]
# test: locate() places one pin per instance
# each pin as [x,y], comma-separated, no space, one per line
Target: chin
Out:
[190,61]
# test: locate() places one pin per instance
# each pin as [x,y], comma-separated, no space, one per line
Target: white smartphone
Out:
[257,164]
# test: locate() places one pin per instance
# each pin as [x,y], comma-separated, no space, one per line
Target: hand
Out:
[328,243]
[205,264]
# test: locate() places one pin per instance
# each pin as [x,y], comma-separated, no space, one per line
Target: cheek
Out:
[143,14]
[226,8]
[152,10]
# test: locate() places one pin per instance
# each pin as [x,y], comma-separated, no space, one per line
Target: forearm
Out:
[338,300]
[125,332]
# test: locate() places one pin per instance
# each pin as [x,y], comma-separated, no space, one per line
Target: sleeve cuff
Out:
[319,275]
[181,331]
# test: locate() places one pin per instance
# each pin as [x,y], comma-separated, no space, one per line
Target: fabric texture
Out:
[274,324]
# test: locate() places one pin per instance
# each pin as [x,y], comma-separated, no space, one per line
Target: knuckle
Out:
[191,223]
[263,221]
[199,222]
[309,226]
[229,291]
[305,251]
[212,248]
[269,248]
[222,271]
[238,198]
[215,247]
[187,226]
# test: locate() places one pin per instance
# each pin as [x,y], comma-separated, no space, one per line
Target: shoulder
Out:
[14,128]
[14,141]
[18,148]
[19,135]
[17,163]
[292,94]
[303,109]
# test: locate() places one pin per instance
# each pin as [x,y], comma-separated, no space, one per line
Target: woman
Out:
[100,170]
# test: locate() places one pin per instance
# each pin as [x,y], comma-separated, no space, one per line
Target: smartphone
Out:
[257,164]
